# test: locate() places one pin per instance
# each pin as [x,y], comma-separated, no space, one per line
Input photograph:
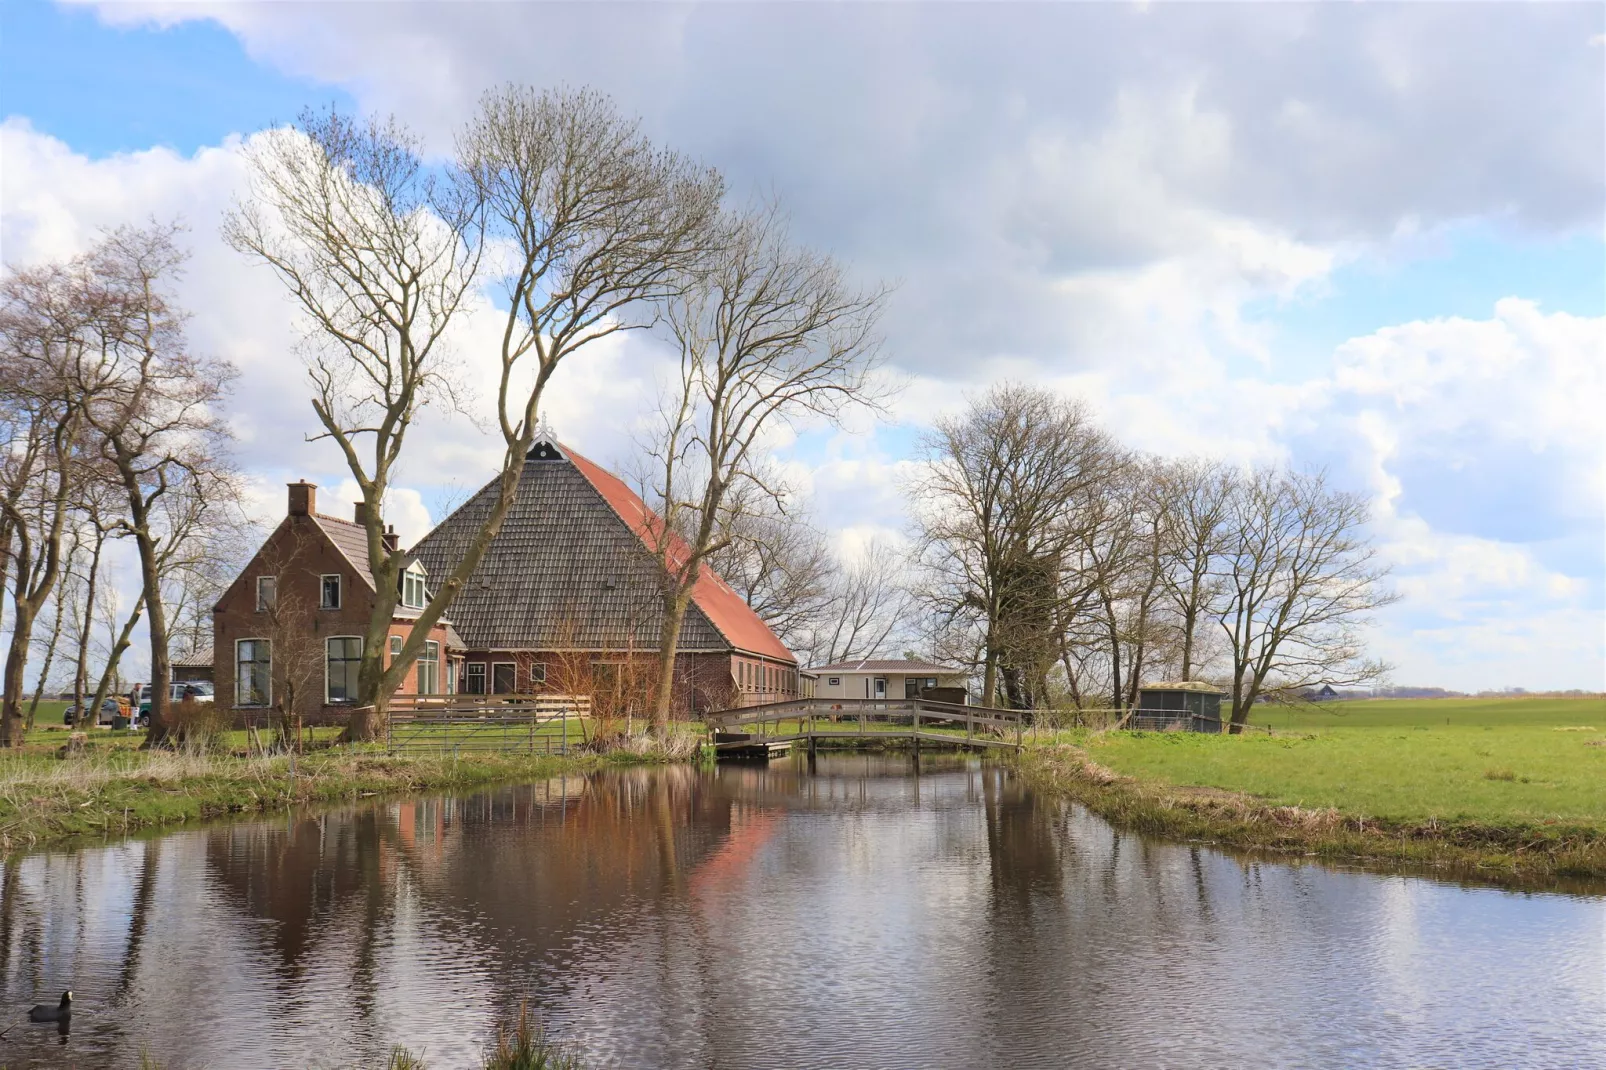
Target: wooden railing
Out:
[871,719]
[454,724]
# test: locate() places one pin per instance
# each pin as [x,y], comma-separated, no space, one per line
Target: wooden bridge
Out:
[773,727]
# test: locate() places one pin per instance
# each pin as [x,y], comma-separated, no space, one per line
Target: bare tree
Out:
[865,611]
[1198,497]
[768,333]
[150,412]
[995,518]
[52,639]
[1300,582]
[45,318]
[379,252]
[781,566]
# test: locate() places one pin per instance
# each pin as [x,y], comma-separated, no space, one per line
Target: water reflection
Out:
[863,911]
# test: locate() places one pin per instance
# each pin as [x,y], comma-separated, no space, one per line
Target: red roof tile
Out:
[725,609]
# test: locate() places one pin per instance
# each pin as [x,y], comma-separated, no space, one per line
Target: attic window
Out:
[329,592]
[412,592]
[544,451]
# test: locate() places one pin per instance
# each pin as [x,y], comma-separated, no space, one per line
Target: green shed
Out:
[1187,705]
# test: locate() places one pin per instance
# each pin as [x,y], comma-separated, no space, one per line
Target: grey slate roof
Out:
[350,540]
[563,573]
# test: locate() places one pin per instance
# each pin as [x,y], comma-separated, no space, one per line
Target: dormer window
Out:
[329,592]
[412,592]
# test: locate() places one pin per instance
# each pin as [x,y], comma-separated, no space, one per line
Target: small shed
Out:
[1186,705]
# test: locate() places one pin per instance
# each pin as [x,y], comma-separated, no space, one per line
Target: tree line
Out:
[1069,569]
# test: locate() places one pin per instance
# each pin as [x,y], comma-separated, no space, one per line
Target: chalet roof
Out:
[570,570]
[903,665]
[199,658]
[1184,685]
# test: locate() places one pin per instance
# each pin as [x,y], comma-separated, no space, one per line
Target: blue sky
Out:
[1292,235]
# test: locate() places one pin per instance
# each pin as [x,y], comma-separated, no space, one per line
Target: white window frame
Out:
[340,593]
[268,695]
[327,640]
[265,604]
[537,674]
[468,678]
[425,658]
[411,576]
[396,644]
[490,679]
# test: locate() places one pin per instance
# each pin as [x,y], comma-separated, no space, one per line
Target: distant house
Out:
[293,621]
[567,599]
[196,665]
[885,678]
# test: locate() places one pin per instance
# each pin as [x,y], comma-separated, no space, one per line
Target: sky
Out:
[1364,238]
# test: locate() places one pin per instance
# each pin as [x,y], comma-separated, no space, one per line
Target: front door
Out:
[502,682]
[880,687]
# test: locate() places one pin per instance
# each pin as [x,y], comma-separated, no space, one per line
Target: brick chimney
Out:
[392,543]
[303,498]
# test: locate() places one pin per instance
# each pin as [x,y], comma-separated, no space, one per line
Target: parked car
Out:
[109,709]
[195,690]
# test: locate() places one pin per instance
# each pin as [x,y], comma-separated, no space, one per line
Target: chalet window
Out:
[267,593]
[474,681]
[342,661]
[537,674]
[502,681]
[253,672]
[412,592]
[329,592]
[833,681]
[429,669]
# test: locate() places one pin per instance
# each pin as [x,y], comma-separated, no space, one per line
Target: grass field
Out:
[1510,761]
[1512,787]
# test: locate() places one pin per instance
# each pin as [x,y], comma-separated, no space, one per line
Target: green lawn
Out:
[1514,761]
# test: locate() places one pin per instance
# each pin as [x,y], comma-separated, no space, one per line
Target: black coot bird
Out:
[44,1012]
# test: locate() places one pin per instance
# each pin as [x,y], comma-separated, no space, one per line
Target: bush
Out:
[199,725]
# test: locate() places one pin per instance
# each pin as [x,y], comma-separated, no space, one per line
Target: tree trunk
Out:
[44,671]
[156,615]
[124,641]
[11,731]
[675,607]
[80,678]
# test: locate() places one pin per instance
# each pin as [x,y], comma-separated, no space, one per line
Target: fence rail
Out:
[458,724]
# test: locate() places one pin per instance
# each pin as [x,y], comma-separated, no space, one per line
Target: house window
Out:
[413,589]
[395,647]
[474,682]
[451,676]
[253,672]
[502,680]
[329,592]
[267,593]
[833,681]
[429,669]
[537,674]
[342,662]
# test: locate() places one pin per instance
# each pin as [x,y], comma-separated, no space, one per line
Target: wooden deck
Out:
[759,730]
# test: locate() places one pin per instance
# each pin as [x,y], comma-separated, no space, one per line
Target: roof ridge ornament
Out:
[544,442]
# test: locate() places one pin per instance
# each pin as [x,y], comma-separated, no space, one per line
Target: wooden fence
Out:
[461,724]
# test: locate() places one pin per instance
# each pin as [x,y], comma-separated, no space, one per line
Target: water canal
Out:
[858,916]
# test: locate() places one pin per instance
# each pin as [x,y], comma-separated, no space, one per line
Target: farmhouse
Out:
[567,599]
[288,632]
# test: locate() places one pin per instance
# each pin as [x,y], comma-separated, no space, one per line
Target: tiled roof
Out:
[569,570]
[199,658]
[350,540]
[887,665]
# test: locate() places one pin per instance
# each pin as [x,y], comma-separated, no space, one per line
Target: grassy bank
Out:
[1512,788]
[115,788]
